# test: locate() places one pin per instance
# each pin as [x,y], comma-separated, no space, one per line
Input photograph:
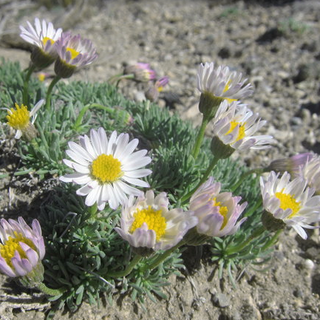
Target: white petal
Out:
[136,182]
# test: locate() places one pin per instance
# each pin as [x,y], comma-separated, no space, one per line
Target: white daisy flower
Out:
[22,120]
[107,168]
[235,125]
[74,52]
[290,202]
[217,85]
[311,172]
[43,36]
[222,83]
[147,222]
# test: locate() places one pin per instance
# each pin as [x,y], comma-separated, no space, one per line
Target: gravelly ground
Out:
[277,46]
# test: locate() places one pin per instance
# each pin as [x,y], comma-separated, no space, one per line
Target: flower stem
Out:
[49,291]
[161,257]
[204,178]
[272,241]
[25,97]
[128,269]
[242,245]
[200,137]
[258,171]
[52,84]
[93,210]
[118,77]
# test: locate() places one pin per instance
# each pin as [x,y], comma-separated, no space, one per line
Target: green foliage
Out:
[292,26]
[230,12]
[230,252]
[11,86]
[79,249]
[82,248]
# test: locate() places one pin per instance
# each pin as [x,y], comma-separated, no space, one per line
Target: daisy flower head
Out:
[22,120]
[153,91]
[73,52]
[291,164]
[42,36]
[141,72]
[217,212]
[148,223]
[288,202]
[234,128]
[108,168]
[217,85]
[311,172]
[21,249]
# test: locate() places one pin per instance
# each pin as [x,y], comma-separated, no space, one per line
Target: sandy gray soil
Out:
[276,45]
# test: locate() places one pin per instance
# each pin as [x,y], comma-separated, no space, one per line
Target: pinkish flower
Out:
[217,212]
[74,52]
[152,93]
[22,248]
[142,72]
[291,164]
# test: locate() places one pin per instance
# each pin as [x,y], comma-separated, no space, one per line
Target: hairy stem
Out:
[49,291]
[200,137]
[204,178]
[127,270]
[49,92]
[25,97]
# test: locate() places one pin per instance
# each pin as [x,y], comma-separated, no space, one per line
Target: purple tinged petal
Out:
[4,268]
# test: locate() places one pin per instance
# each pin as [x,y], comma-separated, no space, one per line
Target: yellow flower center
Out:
[46,39]
[226,88]
[222,210]
[74,53]
[18,119]
[41,76]
[241,133]
[106,168]
[287,201]
[8,250]
[153,218]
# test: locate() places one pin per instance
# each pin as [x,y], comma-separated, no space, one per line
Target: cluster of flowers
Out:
[110,170]
[143,73]
[50,45]
[68,51]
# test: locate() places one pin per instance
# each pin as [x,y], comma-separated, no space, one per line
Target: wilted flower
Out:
[107,168]
[142,72]
[217,212]
[19,119]
[73,52]
[217,85]
[234,126]
[289,202]
[43,37]
[148,223]
[152,93]
[311,172]
[21,249]
[292,164]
